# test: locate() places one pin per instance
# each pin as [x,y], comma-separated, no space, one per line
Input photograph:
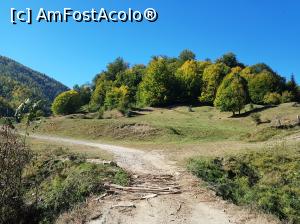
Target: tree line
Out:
[225,83]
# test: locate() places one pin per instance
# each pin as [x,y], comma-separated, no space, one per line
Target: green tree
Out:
[232,94]
[189,76]
[112,70]
[260,67]
[263,83]
[118,98]
[211,79]
[131,78]
[5,109]
[292,88]
[66,103]
[98,95]
[230,60]
[157,87]
[84,93]
[186,55]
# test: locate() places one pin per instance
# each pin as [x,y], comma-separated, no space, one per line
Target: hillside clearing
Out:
[174,126]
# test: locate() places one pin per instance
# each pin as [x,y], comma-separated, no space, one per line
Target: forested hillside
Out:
[18,82]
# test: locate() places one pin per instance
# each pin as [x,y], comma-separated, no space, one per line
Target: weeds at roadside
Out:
[268,180]
[66,180]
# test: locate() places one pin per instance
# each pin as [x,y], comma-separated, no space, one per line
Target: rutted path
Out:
[194,205]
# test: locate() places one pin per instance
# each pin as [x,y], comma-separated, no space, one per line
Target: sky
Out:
[73,53]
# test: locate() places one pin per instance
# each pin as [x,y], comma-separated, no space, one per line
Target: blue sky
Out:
[256,30]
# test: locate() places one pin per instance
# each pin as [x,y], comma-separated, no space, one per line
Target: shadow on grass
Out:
[256,110]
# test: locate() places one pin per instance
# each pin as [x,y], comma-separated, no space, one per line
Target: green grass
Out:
[42,147]
[63,180]
[268,179]
[172,126]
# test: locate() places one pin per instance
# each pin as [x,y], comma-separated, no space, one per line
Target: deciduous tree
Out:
[212,78]
[232,94]
[157,87]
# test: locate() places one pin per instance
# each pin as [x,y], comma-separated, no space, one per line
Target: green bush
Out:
[65,180]
[269,180]
[287,97]
[66,103]
[272,98]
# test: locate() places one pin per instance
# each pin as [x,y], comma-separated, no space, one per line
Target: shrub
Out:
[287,97]
[272,98]
[66,180]
[268,180]
[66,103]
[14,156]
[100,113]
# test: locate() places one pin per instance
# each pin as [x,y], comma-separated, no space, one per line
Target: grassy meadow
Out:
[173,126]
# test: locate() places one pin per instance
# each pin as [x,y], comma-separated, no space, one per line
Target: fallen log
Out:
[129,205]
[167,190]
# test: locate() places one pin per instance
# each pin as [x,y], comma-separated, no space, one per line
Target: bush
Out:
[268,180]
[100,113]
[272,98]
[287,97]
[66,103]
[66,180]
[14,156]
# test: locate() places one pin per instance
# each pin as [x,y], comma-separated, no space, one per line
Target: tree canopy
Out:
[232,94]
[186,55]
[212,78]
[189,76]
[157,87]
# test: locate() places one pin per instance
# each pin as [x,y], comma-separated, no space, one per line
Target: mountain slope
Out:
[18,82]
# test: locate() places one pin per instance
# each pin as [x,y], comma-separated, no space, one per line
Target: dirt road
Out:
[194,205]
